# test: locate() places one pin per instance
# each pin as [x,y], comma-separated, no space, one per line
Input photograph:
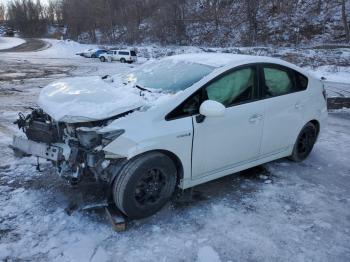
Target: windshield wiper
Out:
[142,88]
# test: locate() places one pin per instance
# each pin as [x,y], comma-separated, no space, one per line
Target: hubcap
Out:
[150,187]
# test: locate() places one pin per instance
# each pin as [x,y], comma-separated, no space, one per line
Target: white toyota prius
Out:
[174,123]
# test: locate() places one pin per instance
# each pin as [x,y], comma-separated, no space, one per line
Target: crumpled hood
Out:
[82,99]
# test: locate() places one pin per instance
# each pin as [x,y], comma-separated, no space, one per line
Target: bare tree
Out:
[27,16]
[252,11]
[345,21]
[208,22]
[2,12]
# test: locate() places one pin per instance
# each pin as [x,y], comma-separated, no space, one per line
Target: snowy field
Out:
[281,211]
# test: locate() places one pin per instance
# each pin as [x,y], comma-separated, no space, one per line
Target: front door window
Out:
[234,88]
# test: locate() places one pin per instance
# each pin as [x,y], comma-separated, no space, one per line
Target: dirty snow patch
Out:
[208,254]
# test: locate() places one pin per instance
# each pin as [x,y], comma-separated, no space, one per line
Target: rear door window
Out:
[278,81]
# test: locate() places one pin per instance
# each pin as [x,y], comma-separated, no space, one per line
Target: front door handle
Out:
[297,106]
[254,118]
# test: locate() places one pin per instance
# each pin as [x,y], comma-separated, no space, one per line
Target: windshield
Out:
[168,75]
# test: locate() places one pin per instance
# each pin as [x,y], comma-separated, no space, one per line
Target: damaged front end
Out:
[75,149]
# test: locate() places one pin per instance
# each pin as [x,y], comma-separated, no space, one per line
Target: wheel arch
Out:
[171,155]
[177,162]
[316,124]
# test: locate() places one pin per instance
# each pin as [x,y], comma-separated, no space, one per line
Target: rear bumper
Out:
[45,151]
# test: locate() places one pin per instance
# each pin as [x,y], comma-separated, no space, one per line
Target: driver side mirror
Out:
[210,108]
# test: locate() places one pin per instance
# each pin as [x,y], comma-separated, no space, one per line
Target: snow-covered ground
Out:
[9,42]
[281,211]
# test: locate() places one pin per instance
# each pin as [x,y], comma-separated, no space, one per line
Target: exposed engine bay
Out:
[74,148]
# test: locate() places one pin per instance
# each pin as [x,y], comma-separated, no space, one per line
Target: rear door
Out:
[284,100]
[113,55]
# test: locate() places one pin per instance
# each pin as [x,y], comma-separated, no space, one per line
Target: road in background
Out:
[31,44]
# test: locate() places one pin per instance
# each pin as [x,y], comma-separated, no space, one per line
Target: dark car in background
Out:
[98,52]
[92,53]
[9,32]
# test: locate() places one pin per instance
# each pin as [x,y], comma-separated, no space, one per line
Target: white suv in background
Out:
[124,56]
[175,123]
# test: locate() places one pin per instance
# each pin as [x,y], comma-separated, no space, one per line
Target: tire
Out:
[304,143]
[102,59]
[93,56]
[144,185]
[122,60]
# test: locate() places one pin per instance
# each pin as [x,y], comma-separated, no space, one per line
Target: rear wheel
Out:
[122,60]
[145,185]
[93,56]
[305,143]
[102,59]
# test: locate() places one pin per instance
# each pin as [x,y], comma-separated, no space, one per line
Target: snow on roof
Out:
[222,59]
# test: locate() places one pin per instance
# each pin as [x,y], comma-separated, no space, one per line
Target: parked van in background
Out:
[124,56]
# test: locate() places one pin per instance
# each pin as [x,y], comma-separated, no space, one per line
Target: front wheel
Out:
[305,143]
[145,185]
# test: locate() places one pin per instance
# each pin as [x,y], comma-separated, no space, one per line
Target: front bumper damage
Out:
[54,152]
[74,150]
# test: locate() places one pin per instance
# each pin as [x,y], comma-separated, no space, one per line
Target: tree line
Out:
[187,22]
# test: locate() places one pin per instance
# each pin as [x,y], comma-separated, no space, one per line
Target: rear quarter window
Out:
[123,53]
[301,81]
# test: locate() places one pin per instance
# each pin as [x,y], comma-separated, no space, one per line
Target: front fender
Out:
[129,148]
[181,147]
[122,146]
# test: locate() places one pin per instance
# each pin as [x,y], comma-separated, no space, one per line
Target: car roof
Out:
[123,50]
[223,59]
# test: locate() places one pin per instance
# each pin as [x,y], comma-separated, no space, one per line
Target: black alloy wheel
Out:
[305,143]
[150,187]
[144,185]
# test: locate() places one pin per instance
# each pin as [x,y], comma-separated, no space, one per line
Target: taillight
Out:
[324,93]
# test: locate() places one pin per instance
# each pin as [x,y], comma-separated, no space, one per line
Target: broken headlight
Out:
[108,137]
[91,138]
[88,138]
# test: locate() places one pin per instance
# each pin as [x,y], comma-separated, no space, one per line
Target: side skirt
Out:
[190,183]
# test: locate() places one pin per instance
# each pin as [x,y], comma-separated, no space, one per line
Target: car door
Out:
[234,139]
[116,56]
[284,101]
